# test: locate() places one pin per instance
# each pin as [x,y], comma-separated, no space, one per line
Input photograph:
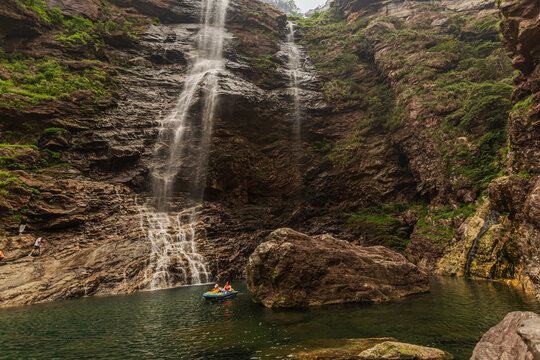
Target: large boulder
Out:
[517,336]
[291,269]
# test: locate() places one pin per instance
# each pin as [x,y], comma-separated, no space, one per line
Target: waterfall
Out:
[182,146]
[489,220]
[293,70]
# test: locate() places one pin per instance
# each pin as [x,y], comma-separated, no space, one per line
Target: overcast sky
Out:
[306,5]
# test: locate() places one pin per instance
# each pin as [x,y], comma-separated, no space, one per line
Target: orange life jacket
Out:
[227,287]
[1,255]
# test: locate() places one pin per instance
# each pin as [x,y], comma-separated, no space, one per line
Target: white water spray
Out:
[293,69]
[184,142]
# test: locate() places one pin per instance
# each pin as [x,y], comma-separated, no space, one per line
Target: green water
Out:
[180,324]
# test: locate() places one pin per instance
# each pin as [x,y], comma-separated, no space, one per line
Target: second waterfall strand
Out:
[184,138]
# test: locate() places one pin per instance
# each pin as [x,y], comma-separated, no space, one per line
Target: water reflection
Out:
[179,323]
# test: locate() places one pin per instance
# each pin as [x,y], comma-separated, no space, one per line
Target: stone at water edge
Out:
[397,350]
[362,349]
[517,336]
[292,269]
[529,330]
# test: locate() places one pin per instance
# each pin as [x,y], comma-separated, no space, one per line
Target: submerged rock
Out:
[291,269]
[517,336]
[365,349]
[398,350]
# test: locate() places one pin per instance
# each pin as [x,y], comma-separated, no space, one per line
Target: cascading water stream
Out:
[489,220]
[293,69]
[184,138]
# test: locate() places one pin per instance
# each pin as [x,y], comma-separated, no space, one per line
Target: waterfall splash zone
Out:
[182,147]
[173,248]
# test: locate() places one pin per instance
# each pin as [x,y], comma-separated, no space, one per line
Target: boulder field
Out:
[291,269]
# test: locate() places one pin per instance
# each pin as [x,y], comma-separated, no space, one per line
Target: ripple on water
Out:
[179,323]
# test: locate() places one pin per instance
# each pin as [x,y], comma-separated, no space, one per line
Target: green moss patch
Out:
[32,81]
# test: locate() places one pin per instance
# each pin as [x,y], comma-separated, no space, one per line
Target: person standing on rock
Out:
[22,225]
[37,247]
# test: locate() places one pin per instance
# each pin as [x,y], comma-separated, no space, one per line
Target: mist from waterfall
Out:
[183,145]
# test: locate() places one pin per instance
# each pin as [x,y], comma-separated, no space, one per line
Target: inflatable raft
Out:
[219,295]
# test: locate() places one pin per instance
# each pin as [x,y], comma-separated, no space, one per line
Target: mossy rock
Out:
[402,351]
[345,349]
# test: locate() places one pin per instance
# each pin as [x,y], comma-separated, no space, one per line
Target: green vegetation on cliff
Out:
[438,82]
[50,15]
[79,30]
[455,76]
[28,81]
[382,225]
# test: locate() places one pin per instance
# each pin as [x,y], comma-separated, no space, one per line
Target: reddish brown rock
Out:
[291,269]
[168,11]
[360,349]
[515,337]
[18,21]
[86,8]
[521,30]
[508,194]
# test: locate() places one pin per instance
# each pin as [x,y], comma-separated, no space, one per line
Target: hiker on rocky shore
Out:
[22,225]
[37,247]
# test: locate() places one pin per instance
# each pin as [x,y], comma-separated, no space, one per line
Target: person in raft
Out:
[216,289]
[22,225]
[228,287]
[37,247]
[2,257]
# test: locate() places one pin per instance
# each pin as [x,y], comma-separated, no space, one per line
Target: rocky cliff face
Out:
[426,91]
[76,153]
[403,133]
[445,84]
[515,235]
[519,194]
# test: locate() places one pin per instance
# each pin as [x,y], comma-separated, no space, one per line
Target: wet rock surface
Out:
[260,176]
[292,269]
[520,25]
[362,349]
[515,337]
[89,213]
[398,350]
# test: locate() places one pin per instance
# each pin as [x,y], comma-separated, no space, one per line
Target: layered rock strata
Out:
[519,194]
[509,246]
[86,202]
